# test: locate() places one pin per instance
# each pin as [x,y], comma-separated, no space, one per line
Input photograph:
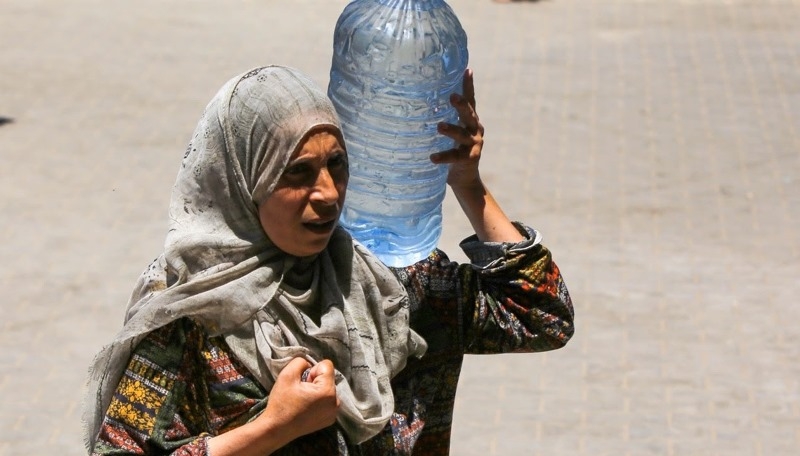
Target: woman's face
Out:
[303,209]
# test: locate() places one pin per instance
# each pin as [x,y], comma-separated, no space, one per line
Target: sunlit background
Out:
[654,143]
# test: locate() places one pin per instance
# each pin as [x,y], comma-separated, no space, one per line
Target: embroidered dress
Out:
[183,386]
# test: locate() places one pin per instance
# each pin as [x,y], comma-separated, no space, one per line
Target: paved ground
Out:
[655,144]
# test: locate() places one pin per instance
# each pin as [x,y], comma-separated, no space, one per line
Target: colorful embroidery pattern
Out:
[182,385]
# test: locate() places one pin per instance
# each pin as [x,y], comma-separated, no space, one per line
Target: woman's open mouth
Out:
[320,228]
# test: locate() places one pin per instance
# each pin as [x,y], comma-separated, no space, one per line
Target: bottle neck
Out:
[415,5]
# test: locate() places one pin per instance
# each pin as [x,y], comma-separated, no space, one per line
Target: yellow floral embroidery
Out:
[136,402]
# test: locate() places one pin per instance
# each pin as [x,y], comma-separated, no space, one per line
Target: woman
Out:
[264,329]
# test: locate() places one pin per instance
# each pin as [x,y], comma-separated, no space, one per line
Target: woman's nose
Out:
[325,190]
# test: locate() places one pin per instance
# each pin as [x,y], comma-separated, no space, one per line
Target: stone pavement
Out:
[654,143]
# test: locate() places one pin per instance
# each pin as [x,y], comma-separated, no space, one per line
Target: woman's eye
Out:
[338,161]
[296,170]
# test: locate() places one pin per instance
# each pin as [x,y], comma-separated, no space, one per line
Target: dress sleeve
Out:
[180,388]
[510,298]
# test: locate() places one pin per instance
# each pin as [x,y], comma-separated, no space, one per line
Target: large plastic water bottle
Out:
[395,65]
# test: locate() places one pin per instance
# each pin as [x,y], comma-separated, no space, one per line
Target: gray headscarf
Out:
[219,268]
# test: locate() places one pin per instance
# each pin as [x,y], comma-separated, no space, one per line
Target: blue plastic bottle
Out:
[395,65]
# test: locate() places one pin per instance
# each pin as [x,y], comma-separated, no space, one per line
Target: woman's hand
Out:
[303,406]
[485,215]
[468,136]
[295,408]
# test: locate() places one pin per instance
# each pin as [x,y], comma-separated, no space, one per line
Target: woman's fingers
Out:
[447,156]
[461,135]
[323,369]
[464,158]
[323,375]
[470,131]
[465,104]
[469,87]
[466,113]
[468,139]
[295,368]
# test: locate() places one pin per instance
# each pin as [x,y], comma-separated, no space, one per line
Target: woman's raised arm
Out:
[484,213]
